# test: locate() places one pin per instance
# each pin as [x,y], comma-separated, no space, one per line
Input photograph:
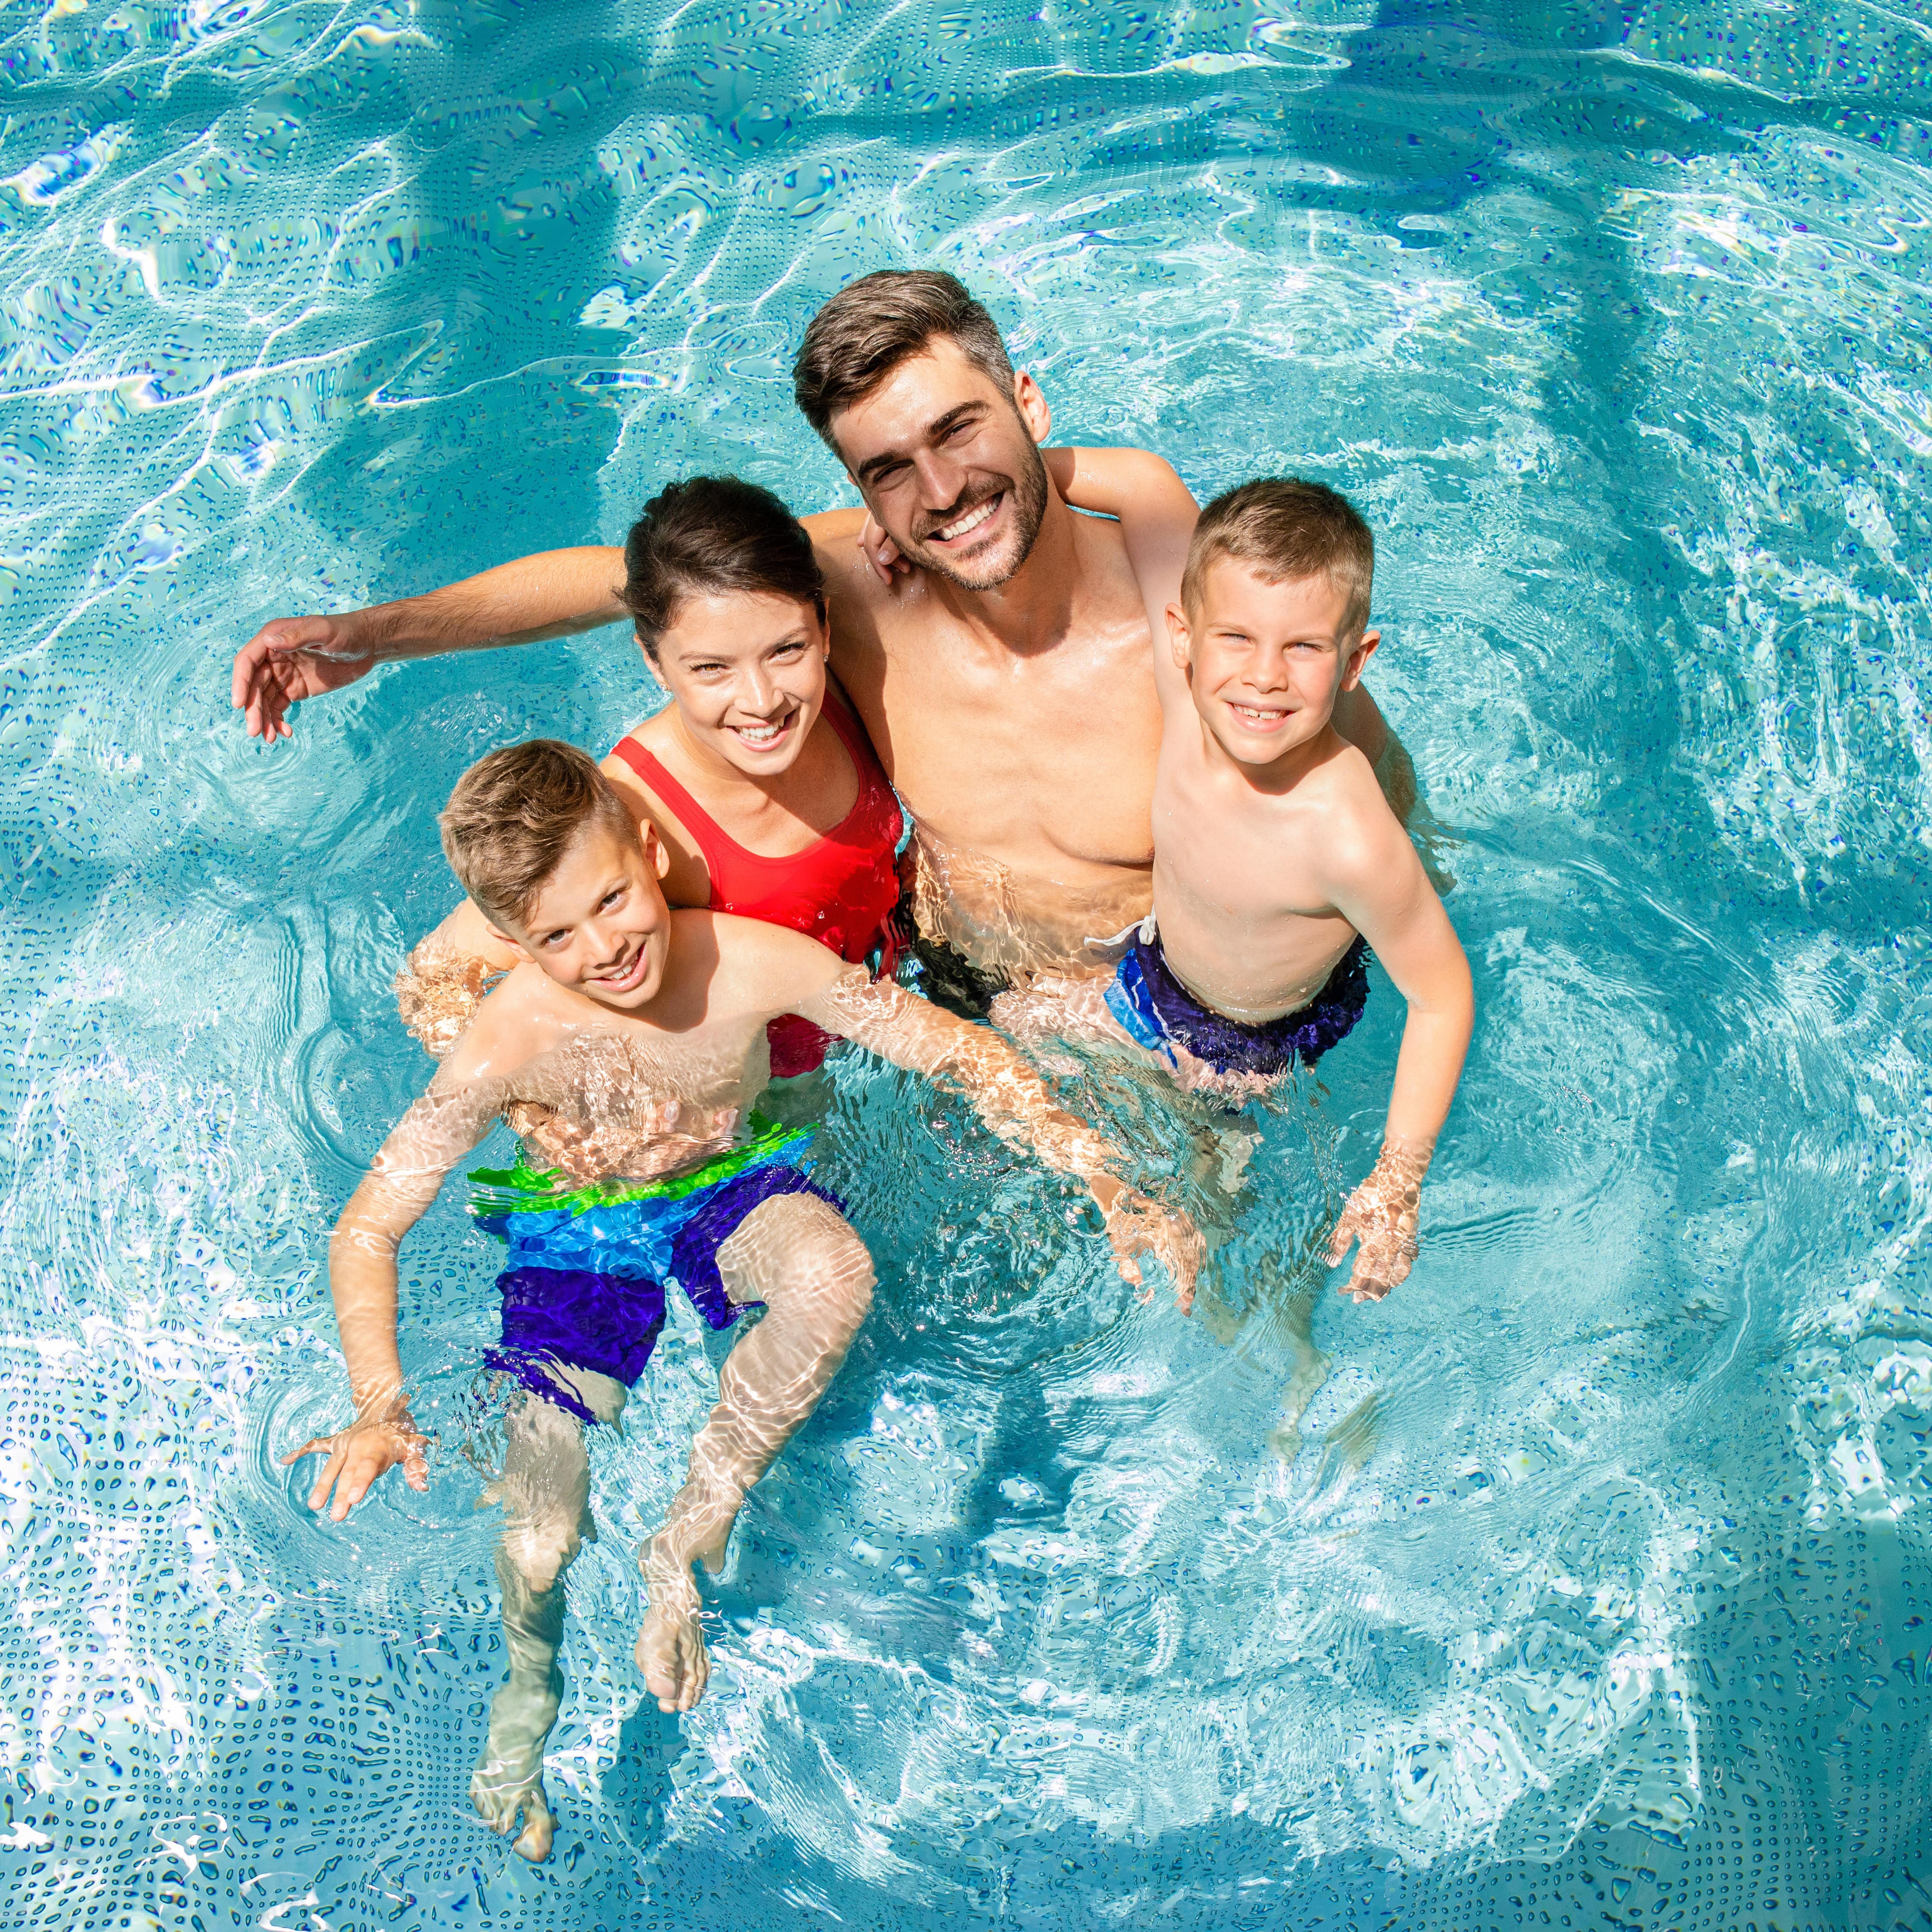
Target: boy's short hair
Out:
[515,813]
[870,327]
[1285,529]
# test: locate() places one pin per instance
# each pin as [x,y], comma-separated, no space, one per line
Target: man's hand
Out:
[882,553]
[1382,1214]
[361,1454]
[290,659]
[1138,1227]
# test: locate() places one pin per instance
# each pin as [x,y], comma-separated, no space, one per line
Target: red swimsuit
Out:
[840,890]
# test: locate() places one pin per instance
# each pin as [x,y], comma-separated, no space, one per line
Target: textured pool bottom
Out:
[1588,1584]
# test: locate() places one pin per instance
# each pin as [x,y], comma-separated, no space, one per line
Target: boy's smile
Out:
[1265,660]
[598,924]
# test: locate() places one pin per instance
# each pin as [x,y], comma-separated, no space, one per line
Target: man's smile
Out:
[963,527]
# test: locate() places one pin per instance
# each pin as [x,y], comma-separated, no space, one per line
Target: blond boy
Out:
[626,1049]
[1278,863]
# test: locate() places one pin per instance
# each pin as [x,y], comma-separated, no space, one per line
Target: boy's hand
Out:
[881,553]
[1382,1214]
[1138,1226]
[290,659]
[362,1453]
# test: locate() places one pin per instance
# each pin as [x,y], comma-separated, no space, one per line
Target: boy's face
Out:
[600,924]
[1267,661]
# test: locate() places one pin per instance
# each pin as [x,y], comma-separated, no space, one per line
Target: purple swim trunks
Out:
[1158,1012]
[584,1287]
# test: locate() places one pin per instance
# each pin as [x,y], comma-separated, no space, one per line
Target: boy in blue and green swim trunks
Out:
[626,1049]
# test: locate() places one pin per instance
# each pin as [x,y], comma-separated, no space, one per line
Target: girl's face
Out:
[747,672]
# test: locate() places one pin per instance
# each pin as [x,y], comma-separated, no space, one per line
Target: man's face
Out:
[600,924]
[949,464]
[1267,661]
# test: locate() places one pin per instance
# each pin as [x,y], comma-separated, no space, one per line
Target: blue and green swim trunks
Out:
[584,1285]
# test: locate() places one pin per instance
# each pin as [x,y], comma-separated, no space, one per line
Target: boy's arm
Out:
[442,982]
[1012,1100]
[551,595]
[1156,512]
[402,1180]
[1380,887]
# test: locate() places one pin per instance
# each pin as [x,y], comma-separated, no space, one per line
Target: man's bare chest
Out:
[1061,745]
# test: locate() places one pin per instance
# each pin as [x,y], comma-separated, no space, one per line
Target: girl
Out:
[758,776]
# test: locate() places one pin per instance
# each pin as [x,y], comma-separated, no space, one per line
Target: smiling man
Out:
[1007,681]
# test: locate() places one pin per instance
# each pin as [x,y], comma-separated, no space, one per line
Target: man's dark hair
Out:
[713,535]
[1286,529]
[868,329]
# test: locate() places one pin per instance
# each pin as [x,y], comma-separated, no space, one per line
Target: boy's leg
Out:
[545,1492]
[800,1256]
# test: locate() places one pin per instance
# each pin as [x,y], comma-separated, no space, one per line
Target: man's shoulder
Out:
[866,613]
[826,526]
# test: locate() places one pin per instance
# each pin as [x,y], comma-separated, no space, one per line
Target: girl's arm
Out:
[552,595]
[443,982]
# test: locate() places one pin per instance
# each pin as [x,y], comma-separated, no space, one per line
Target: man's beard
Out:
[1026,492]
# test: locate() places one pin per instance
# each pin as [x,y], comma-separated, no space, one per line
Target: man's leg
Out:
[545,1492]
[798,1255]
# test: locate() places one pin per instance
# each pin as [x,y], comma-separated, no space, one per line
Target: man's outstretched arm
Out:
[552,595]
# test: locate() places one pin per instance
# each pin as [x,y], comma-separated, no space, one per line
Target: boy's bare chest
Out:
[1233,852]
[627,1100]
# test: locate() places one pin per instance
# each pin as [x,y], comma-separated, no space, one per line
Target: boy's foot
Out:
[508,1778]
[671,1653]
[498,1798]
[670,1649]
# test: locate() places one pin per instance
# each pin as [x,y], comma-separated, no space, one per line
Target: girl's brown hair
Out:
[710,535]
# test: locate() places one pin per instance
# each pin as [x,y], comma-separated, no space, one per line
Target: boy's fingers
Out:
[352,1487]
[318,1497]
[314,1446]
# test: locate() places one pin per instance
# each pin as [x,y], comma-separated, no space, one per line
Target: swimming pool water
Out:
[1591,1586]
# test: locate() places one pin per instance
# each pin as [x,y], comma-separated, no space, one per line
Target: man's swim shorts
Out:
[1159,1013]
[585,1284]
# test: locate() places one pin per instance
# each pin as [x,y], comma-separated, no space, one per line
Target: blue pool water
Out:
[1591,1588]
